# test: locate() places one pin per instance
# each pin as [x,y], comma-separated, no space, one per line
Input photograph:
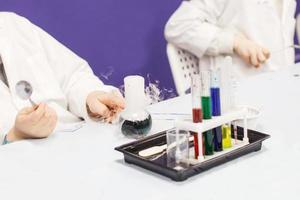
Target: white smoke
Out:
[154,92]
[107,73]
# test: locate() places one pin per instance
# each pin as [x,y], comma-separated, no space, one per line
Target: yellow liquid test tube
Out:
[226,139]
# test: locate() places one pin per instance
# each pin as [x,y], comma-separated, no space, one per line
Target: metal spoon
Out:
[24,90]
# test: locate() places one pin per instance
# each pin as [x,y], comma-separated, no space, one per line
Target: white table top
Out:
[84,165]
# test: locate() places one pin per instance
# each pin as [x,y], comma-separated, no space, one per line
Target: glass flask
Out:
[135,120]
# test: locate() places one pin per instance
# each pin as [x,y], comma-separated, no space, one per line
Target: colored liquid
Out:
[196,144]
[216,103]
[197,117]
[208,135]
[226,136]
[136,129]
[209,142]
[206,107]
[218,146]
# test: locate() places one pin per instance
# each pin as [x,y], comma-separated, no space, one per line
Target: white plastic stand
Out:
[238,114]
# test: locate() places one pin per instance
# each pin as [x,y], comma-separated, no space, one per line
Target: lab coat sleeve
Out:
[193,27]
[74,74]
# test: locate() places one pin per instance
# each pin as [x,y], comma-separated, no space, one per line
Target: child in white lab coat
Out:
[61,79]
[248,30]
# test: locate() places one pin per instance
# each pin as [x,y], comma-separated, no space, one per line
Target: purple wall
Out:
[297,39]
[126,35]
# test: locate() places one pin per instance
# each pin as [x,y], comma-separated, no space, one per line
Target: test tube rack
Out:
[236,114]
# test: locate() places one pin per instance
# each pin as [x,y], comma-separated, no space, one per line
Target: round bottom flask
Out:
[135,125]
[135,121]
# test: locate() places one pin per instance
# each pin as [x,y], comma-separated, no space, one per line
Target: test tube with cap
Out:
[197,113]
[207,112]
[216,107]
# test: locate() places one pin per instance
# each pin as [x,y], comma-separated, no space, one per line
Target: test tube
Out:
[197,114]
[235,132]
[226,141]
[177,148]
[245,139]
[216,107]
[206,108]
[227,84]
[215,92]
[206,99]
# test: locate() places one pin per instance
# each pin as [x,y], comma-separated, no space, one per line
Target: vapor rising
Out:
[154,92]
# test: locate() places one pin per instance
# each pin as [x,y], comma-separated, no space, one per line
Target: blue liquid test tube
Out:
[216,107]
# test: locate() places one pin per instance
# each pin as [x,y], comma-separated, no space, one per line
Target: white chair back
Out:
[183,65]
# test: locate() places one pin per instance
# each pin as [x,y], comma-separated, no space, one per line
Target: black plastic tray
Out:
[131,156]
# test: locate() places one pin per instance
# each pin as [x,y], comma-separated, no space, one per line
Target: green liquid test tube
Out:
[209,142]
[206,107]
[226,132]
[208,135]
[207,112]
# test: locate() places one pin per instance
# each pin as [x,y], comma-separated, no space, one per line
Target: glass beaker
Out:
[178,148]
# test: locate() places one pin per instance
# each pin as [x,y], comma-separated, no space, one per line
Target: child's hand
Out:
[104,105]
[33,122]
[250,52]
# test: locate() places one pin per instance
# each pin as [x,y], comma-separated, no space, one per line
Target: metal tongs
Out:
[295,46]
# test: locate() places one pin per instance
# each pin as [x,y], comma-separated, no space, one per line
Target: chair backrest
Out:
[183,65]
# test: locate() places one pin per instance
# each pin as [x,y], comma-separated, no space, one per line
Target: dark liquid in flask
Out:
[137,128]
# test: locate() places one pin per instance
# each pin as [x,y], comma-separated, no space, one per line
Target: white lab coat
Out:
[58,76]
[207,29]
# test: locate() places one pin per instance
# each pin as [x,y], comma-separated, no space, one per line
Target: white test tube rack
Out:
[237,114]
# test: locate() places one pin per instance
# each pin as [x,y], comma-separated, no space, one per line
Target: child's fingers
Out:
[38,114]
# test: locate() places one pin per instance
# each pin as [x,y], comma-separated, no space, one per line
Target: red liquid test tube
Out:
[197,117]
[197,110]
